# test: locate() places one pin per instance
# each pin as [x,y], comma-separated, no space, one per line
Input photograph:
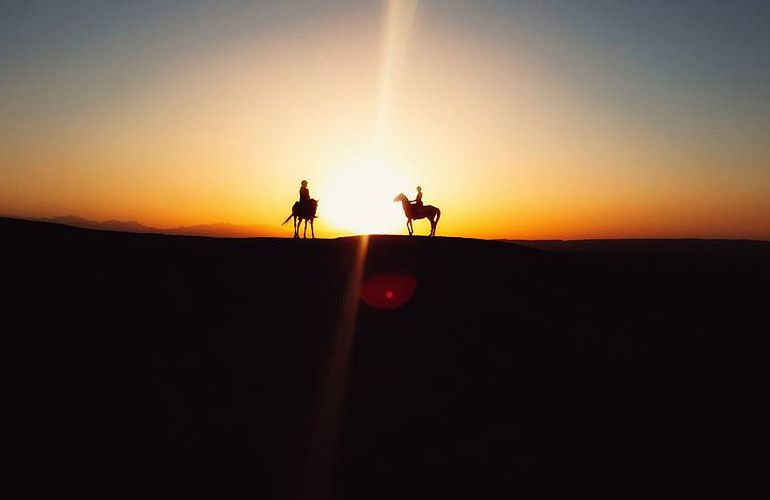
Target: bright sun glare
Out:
[359,198]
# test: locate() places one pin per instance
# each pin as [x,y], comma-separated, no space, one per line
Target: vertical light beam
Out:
[399,18]
[322,456]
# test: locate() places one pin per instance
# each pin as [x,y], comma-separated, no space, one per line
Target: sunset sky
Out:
[520,119]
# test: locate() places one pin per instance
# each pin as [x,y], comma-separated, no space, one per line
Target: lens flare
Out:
[388,291]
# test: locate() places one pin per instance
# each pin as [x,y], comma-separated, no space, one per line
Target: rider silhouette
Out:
[418,201]
[304,193]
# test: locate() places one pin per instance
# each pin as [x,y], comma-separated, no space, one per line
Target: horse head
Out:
[400,197]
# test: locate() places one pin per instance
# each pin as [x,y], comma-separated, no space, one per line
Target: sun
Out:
[359,198]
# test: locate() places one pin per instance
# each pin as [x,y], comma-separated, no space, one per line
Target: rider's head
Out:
[419,188]
[304,183]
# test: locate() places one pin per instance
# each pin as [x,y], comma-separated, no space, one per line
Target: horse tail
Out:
[438,214]
[287,219]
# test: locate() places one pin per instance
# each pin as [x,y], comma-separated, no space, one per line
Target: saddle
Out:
[306,208]
[416,210]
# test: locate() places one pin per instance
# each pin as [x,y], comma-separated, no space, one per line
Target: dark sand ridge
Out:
[196,362]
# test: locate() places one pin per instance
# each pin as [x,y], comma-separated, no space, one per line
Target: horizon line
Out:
[157,230]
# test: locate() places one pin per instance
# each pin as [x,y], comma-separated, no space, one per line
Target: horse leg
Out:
[312,231]
[296,227]
[409,226]
[304,234]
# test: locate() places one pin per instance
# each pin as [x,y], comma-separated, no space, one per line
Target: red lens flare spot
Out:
[388,291]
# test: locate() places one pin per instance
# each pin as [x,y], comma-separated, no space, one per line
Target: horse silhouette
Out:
[303,211]
[433,214]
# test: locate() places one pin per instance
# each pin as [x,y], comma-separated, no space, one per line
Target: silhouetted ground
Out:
[168,365]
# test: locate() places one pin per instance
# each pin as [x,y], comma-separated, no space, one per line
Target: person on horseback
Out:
[304,194]
[418,201]
[304,209]
[416,210]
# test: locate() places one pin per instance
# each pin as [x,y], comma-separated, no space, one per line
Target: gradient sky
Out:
[520,119]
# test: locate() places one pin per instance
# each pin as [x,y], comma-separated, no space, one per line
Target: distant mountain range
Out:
[219,230]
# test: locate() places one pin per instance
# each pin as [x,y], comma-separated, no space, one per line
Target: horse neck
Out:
[405,203]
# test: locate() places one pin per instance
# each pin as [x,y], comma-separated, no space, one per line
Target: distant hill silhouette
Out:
[218,230]
[107,225]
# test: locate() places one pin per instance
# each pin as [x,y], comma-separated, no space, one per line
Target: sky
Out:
[519,119]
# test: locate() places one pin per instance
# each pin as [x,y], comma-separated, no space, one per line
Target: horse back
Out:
[305,211]
[424,212]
